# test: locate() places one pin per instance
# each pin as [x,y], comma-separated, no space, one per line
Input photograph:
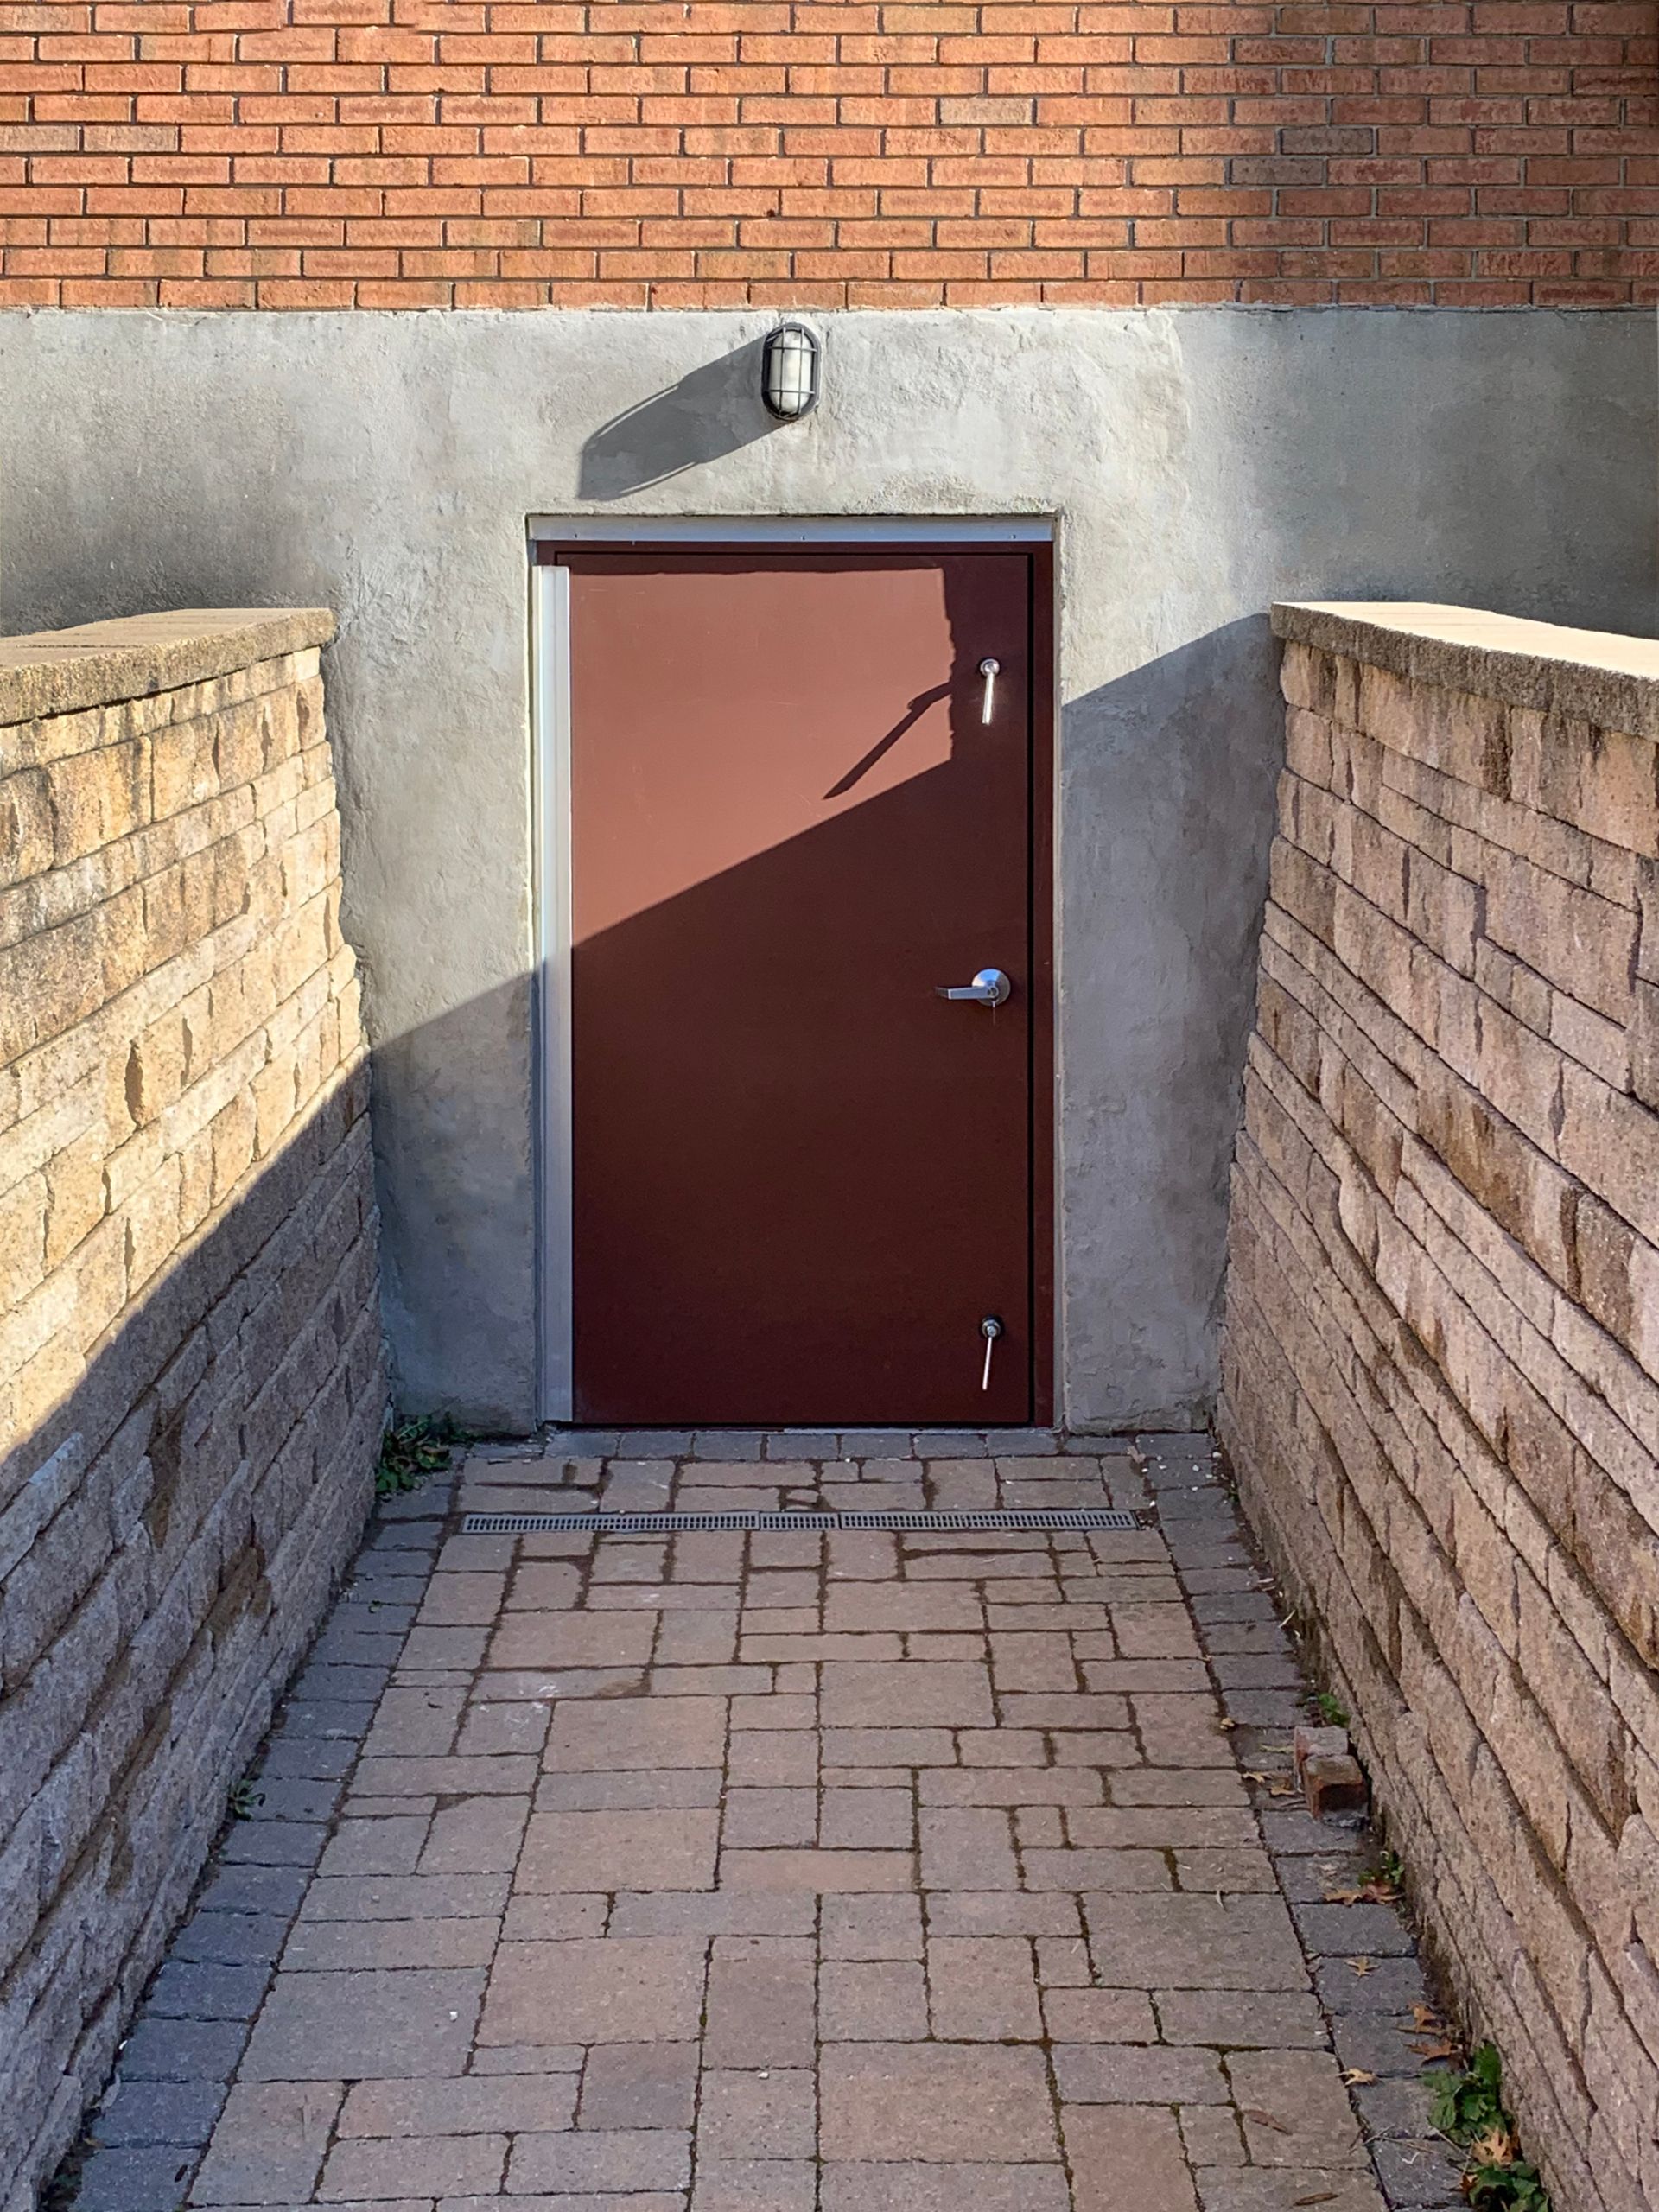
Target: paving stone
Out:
[984,1989]
[1099,2016]
[818,1870]
[184,1991]
[276,1890]
[874,1926]
[273,1843]
[872,2000]
[1001,1912]
[756,2185]
[447,1777]
[769,2113]
[944,2188]
[1420,2174]
[905,1607]
[137,2114]
[1195,1942]
[231,1938]
[1126,2155]
[618,1989]
[611,1737]
[516,1727]
[1365,1984]
[912,1693]
[618,2160]
[1271,2020]
[268,2147]
[723,1912]
[407,1897]
[887,1747]
[896,2101]
[1295,2110]
[135,2181]
[350,2025]
[383,1846]
[1376,2043]
[434,2165]
[639,2085]
[480,1835]
[473,2104]
[1138,2074]
[529,2058]
[182,2050]
[867,1819]
[334,1946]
[651,1849]
[1253,2188]
[555,1640]
[1097,1870]
[966,1849]
[534,1920]
[760,2003]
[764,1816]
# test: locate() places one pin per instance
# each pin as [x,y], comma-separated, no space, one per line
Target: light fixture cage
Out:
[791,361]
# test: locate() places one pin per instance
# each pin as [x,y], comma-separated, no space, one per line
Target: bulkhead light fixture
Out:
[789,371]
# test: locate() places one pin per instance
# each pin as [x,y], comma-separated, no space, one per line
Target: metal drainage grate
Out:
[1075,1517]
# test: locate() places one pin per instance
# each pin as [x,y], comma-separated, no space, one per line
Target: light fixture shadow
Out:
[714,411]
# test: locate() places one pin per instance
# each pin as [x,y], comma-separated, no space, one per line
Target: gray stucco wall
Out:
[1199,465]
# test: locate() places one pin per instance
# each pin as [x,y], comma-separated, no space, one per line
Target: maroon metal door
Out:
[801,1179]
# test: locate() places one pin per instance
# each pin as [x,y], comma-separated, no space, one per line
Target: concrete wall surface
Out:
[191,1381]
[1442,1355]
[1197,465]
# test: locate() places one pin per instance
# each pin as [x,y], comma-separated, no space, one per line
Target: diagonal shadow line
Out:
[918,707]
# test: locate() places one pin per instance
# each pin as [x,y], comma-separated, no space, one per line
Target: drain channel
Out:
[1077,1518]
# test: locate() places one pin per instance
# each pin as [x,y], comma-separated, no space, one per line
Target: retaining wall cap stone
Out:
[1596,673]
[96,663]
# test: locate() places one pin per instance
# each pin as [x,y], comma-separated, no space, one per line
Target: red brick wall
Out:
[490,153]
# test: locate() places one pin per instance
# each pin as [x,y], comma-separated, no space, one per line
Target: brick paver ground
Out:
[784,1873]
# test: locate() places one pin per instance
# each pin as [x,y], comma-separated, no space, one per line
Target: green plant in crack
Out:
[1331,1710]
[1469,2107]
[244,1799]
[413,1449]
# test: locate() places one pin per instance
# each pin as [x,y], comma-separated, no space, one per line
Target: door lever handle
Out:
[990,669]
[990,988]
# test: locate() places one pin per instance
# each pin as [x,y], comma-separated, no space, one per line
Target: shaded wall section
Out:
[1441,1356]
[1196,466]
[191,1386]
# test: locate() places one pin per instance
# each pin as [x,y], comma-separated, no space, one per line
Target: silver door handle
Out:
[990,988]
[990,669]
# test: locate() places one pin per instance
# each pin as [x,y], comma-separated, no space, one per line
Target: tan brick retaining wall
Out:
[1442,1327]
[190,1370]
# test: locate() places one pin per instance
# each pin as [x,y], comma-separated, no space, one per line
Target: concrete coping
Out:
[97,663]
[1597,675]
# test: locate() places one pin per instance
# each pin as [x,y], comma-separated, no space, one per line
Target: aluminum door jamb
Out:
[550,803]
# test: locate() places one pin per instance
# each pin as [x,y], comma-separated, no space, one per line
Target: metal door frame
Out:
[550,833]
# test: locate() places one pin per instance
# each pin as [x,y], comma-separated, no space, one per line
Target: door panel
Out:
[801,1178]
